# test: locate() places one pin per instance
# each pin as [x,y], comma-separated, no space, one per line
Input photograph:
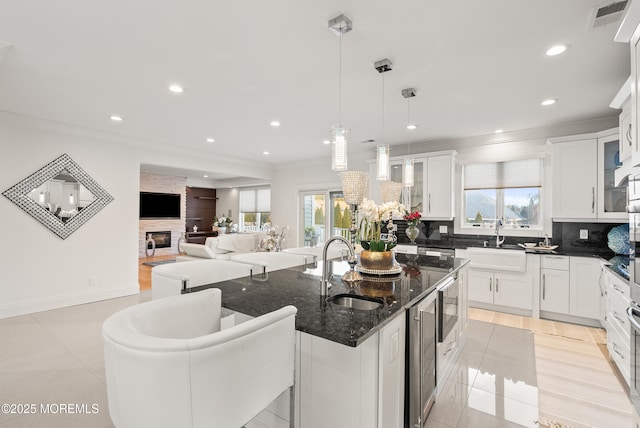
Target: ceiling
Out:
[476,67]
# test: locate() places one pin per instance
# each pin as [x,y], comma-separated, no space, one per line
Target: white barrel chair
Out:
[168,364]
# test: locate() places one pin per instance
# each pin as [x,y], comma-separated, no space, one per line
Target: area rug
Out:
[160,262]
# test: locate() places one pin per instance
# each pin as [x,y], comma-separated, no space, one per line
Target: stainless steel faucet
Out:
[498,240]
[351,260]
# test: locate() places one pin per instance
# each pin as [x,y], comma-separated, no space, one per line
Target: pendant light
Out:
[407,163]
[383,162]
[339,25]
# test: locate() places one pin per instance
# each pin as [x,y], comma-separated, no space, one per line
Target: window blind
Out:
[254,201]
[501,175]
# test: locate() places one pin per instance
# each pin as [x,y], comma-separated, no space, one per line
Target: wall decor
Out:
[60,195]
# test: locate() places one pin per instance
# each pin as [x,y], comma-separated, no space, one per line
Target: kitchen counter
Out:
[300,286]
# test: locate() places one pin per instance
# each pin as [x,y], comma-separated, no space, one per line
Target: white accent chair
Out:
[168,364]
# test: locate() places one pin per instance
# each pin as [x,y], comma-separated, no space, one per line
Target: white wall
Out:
[228,203]
[40,271]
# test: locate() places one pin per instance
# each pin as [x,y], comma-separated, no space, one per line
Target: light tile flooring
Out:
[511,372]
[516,371]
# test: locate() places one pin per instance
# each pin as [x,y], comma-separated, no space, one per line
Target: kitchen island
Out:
[350,363]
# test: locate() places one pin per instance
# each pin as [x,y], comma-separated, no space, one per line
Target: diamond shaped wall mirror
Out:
[60,195]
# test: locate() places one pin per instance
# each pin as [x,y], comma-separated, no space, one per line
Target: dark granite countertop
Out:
[300,287]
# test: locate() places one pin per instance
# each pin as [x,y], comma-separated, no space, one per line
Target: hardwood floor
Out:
[144,271]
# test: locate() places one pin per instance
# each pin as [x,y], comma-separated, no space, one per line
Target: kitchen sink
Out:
[353,301]
[498,259]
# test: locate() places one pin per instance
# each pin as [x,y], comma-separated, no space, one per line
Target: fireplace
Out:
[162,239]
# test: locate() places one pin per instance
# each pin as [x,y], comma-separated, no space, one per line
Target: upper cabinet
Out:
[432,192]
[583,178]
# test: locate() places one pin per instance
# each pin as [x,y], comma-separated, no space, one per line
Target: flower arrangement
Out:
[222,221]
[371,218]
[412,218]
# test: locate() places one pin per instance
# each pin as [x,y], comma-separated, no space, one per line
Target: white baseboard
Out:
[65,300]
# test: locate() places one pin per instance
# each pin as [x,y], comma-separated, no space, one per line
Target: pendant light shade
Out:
[407,163]
[339,25]
[339,147]
[383,163]
[407,172]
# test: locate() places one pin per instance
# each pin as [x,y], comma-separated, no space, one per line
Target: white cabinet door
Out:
[612,199]
[480,286]
[554,291]
[513,290]
[439,187]
[584,287]
[575,179]
[635,98]
[626,133]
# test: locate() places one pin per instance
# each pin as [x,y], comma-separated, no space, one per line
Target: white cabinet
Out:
[584,177]
[617,323]
[626,133]
[584,287]
[432,192]
[612,199]
[438,188]
[554,284]
[511,290]
[575,179]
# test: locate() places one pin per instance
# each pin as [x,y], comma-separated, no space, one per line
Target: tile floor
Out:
[538,371]
[506,375]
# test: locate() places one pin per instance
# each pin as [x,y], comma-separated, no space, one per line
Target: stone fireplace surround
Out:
[163,184]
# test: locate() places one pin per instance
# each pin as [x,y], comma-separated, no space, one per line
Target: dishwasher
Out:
[420,386]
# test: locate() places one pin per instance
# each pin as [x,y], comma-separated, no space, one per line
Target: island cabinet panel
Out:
[338,384]
[363,386]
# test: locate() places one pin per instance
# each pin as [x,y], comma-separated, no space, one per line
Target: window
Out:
[255,209]
[510,191]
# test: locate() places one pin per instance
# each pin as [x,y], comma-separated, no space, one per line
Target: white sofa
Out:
[170,279]
[168,364]
[221,246]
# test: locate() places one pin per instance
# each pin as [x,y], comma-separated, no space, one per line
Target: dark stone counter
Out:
[300,287]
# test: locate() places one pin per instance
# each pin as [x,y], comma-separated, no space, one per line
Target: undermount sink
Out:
[355,302]
[498,259]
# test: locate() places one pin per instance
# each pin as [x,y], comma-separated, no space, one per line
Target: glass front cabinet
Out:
[432,191]
[612,200]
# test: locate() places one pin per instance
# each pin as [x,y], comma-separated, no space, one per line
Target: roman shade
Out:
[255,201]
[502,175]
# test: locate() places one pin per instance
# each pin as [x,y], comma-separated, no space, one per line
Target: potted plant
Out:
[377,252]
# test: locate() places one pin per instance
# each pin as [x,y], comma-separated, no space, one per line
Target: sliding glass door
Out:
[324,214]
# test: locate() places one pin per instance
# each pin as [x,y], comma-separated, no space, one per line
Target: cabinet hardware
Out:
[616,316]
[617,289]
[544,286]
[429,203]
[629,135]
[496,285]
[593,199]
[615,349]
[490,280]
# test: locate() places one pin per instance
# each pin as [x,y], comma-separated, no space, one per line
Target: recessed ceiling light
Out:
[556,50]
[549,102]
[275,123]
[498,131]
[210,140]
[205,176]
[176,89]
[266,153]
[412,126]
[116,118]
[326,142]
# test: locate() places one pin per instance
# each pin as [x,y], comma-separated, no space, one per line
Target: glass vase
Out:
[412,232]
